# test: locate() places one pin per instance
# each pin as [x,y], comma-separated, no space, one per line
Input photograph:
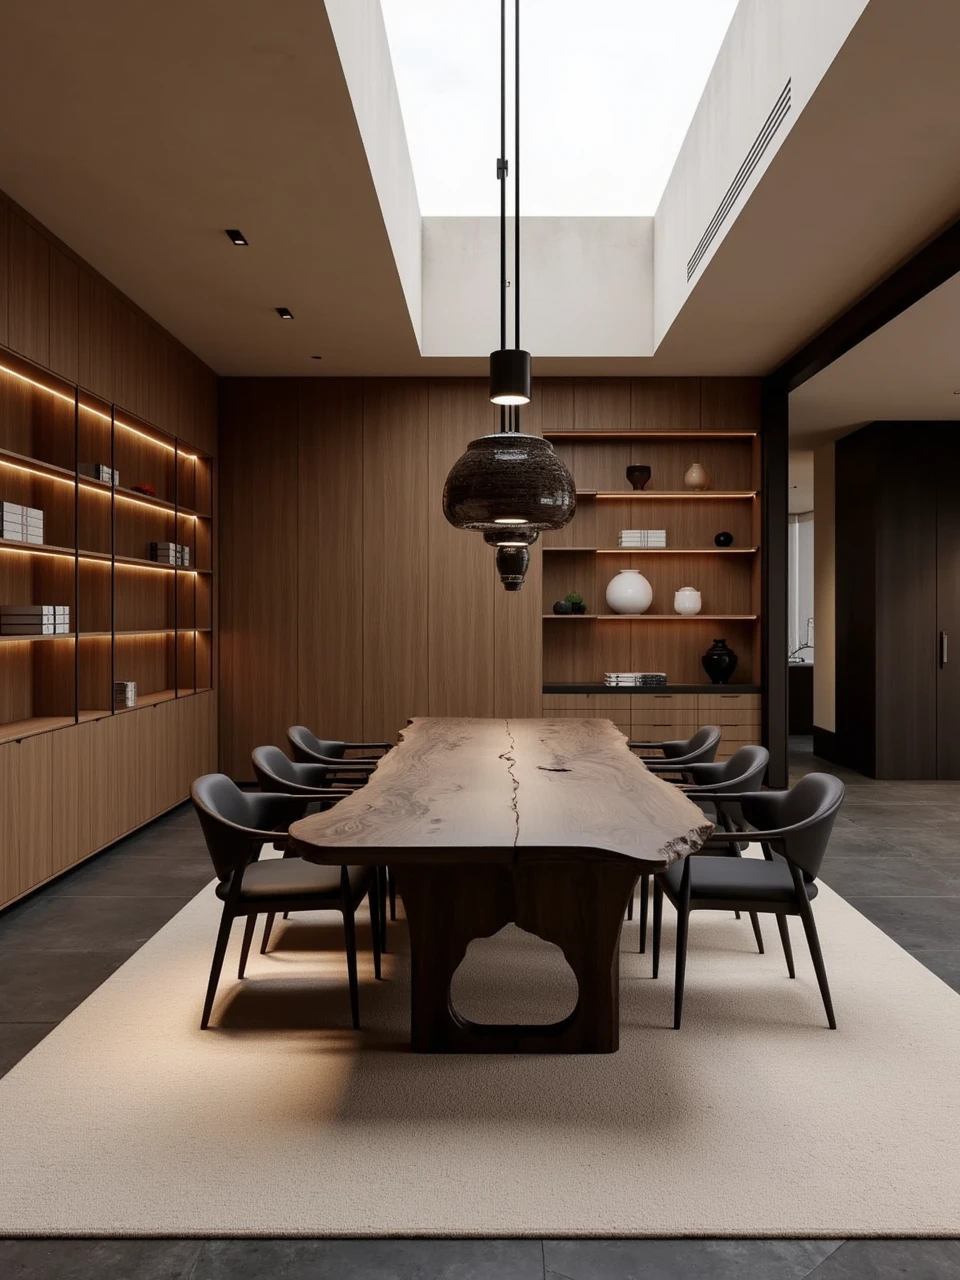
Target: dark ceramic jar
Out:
[720,662]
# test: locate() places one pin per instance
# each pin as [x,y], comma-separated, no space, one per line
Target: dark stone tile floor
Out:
[895,855]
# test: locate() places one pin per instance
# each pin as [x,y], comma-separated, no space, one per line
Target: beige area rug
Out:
[752,1120]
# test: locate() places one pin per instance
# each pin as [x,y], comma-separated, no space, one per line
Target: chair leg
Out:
[630,906]
[219,951]
[784,928]
[271,916]
[644,910]
[374,885]
[657,922]
[382,907]
[683,925]
[350,944]
[755,921]
[393,894]
[813,941]
[286,915]
[248,929]
[736,915]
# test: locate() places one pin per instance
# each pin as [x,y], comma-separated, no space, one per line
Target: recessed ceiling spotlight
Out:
[284,313]
[237,237]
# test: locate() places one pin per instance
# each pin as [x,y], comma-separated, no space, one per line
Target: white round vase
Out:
[687,601]
[629,592]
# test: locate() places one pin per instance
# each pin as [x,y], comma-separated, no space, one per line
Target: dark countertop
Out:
[662,688]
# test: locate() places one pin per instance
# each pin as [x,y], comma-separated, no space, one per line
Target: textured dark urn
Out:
[513,477]
[720,662]
[639,476]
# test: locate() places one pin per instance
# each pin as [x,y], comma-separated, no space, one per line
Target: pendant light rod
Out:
[516,180]
[502,174]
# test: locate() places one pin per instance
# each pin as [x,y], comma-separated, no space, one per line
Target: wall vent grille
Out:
[752,159]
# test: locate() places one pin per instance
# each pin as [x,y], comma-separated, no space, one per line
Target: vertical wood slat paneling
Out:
[28,321]
[10,879]
[395,572]
[329,621]
[463,579]
[730,404]
[665,404]
[4,287]
[96,337]
[258,567]
[64,315]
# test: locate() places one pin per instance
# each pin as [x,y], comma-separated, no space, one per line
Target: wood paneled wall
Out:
[348,602]
[58,312]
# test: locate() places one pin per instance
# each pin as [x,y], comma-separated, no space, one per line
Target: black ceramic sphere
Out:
[720,662]
[563,606]
[723,539]
[509,481]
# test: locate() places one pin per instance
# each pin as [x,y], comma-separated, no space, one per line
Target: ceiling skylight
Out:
[609,88]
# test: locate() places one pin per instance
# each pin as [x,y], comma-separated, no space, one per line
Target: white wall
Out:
[824,589]
[361,38]
[768,41]
[587,286]
[800,613]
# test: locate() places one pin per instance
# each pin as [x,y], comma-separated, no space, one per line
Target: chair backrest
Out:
[307,746]
[701,748]
[272,767]
[806,814]
[745,769]
[222,809]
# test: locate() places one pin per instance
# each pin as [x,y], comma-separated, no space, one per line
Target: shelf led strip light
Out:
[97,413]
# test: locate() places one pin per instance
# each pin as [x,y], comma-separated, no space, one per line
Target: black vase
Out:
[638,475]
[723,539]
[563,606]
[720,662]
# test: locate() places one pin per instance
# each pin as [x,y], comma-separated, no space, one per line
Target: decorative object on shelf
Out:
[509,484]
[687,602]
[143,487]
[574,598]
[124,694]
[642,539]
[723,539]
[629,592]
[639,476]
[697,477]
[562,607]
[170,553]
[100,471]
[21,523]
[635,679]
[34,619]
[720,662]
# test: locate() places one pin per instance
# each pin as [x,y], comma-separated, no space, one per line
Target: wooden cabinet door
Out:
[947,641]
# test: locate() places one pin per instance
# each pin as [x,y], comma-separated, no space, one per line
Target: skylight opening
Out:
[609,90]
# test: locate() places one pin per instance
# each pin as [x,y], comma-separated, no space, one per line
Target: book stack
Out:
[170,553]
[635,679]
[124,694]
[20,523]
[642,539]
[100,471]
[34,619]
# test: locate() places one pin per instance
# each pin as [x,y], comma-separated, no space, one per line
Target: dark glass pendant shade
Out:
[507,483]
[510,376]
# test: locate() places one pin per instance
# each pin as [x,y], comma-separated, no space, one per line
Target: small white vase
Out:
[629,592]
[697,477]
[687,601]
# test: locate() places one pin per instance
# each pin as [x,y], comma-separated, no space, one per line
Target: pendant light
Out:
[509,486]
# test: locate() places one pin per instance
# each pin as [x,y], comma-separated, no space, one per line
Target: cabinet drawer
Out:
[586,702]
[620,718]
[721,701]
[740,733]
[666,715]
[723,716]
[675,701]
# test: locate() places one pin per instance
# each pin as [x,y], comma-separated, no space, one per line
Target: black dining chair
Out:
[236,825]
[676,755]
[793,828]
[307,748]
[744,771]
[275,772]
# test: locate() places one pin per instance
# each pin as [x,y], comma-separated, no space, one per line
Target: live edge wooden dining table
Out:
[544,823]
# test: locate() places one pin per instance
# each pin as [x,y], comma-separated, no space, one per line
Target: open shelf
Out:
[669,495]
[652,436]
[649,617]
[657,551]
[132,618]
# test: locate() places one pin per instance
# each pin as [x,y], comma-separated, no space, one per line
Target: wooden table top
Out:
[513,789]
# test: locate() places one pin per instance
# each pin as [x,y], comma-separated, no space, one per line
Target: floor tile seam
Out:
[823,1262]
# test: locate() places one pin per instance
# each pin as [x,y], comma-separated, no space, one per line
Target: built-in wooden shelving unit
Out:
[585,555]
[131,618]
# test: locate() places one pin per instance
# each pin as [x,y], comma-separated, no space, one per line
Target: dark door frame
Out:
[928,268]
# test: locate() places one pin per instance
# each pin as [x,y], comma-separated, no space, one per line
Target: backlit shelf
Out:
[14,730]
[658,551]
[36,548]
[63,635]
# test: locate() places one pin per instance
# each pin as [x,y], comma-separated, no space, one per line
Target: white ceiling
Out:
[137,133]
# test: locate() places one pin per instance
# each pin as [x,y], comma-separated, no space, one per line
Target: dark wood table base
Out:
[577,904]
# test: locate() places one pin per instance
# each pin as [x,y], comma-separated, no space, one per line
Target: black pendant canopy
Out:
[510,487]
